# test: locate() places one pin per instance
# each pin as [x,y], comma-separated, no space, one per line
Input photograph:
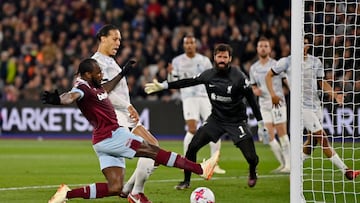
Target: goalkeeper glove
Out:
[51,97]
[155,86]
[263,132]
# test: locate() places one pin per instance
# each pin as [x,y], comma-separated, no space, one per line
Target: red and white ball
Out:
[202,195]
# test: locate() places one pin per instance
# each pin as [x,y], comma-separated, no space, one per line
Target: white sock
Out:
[335,159]
[136,183]
[187,139]
[214,146]
[285,149]
[144,169]
[275,147]
[130,183]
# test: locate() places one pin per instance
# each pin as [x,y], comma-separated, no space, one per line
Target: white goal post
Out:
[295,103]
[334,26]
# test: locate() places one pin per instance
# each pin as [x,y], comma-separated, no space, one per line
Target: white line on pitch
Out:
[150,181]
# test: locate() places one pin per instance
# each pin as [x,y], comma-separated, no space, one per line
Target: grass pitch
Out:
[32,170]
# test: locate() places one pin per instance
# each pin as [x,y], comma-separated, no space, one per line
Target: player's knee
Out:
[192,130]
[115,188]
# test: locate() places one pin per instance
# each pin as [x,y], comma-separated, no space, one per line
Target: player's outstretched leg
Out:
[351,174]
[134,187]
[60,195]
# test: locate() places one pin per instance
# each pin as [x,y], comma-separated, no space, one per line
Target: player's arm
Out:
[256,90]
[134,115]
[69,97]
[110,85]
[65,98]
[269,84]
[285,83]
[325,86]
[155,86]
[262,131]
[250,97]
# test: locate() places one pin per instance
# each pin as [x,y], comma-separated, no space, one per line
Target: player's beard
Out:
[263,56]
[96,83]
[224,68]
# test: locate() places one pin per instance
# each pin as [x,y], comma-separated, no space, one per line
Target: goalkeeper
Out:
[226,87]
[312,112]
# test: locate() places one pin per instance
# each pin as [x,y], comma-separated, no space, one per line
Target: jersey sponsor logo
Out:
[211,85]
[215,97]
[102,96]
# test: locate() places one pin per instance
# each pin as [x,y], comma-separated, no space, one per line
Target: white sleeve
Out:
[251,75]
[281,66]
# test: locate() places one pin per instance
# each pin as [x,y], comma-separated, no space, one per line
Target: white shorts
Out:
[196,108]
[112,151]
[312,120]
[124,119]
[274,115]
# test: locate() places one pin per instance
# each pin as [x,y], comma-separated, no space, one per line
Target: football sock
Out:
[144,169]
[95,190]
[187,139]
[173,159]
[285,149]
[335,159]
[136,182]
[129,185]
[275,147]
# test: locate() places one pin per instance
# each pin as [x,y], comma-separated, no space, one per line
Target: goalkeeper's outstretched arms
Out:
[156,86]
[55,99]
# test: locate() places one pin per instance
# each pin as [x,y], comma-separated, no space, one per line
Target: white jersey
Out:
[258,73]
[283,66]
[119,96]
[312,70]
[185,67]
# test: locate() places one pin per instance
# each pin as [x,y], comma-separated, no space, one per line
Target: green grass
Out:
[32,170]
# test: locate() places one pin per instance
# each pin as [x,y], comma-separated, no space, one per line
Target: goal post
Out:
[334,26]
[295,102]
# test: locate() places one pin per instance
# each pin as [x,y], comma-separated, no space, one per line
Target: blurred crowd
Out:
[43,41]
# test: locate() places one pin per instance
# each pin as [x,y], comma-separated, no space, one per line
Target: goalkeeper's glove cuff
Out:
[165,85]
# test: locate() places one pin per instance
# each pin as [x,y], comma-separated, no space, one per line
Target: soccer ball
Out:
[202,195]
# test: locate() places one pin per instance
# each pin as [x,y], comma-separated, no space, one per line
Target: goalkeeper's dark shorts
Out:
[212,130]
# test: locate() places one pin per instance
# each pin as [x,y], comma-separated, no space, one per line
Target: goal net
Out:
[334,28]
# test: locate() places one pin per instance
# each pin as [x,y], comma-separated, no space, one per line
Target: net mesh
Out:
[335,30]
